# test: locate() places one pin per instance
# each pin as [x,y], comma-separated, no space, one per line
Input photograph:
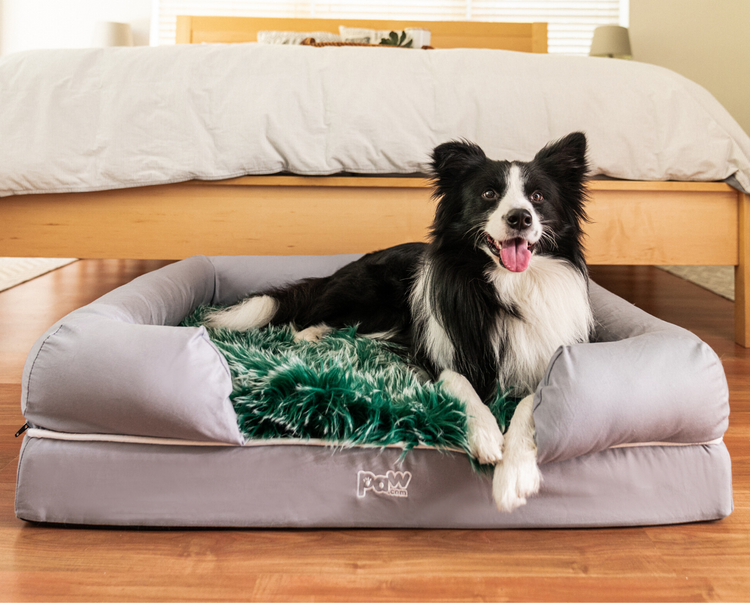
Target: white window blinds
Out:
[571,22]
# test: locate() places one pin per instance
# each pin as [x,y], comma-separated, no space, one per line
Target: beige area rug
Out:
[719,279]
[14,271]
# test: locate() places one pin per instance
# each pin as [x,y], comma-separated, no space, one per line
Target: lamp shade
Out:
[109,33]
[611,41]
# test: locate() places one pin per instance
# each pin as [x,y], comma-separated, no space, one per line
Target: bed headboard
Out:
[524,37]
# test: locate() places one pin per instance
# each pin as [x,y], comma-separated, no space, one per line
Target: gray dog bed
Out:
[131,424]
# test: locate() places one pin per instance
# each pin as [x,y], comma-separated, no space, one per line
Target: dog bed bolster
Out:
[121,366]
[118,365]
[237,277]
[643,380]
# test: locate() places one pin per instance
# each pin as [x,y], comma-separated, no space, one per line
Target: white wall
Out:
[30,24]
[707,41]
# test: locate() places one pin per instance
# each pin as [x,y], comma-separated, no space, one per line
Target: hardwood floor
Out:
[707,561]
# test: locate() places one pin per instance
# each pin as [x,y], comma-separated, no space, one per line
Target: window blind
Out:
[571,23]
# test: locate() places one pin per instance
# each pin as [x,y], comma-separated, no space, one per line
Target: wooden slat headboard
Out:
[524,37]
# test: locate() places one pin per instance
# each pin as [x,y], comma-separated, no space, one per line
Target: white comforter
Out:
[81,120]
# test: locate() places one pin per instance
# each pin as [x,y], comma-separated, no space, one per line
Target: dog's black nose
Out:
[519,219]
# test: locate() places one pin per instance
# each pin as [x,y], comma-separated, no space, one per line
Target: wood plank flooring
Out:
[695,562]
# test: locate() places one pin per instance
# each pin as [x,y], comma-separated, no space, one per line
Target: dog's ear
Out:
[452,160]
[565,159]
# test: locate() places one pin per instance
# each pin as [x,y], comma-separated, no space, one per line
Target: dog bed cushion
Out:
[132,424]
[344,389]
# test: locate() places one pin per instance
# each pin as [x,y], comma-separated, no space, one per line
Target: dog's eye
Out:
[489,194]
[536,197]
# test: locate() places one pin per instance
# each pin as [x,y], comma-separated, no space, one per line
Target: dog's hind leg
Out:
[517,476]
[315,333]
[252,313]
[484,435]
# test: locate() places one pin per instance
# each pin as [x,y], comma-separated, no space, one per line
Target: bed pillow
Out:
[296,37]
[363,35]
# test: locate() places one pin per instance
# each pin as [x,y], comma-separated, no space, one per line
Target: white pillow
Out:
[418,36]
[295,37]
[363,35]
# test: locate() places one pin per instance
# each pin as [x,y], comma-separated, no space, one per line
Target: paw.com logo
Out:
[393,483]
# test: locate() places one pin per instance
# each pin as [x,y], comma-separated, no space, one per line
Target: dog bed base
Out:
[313,486]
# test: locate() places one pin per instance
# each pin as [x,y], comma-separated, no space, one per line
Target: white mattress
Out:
[81,120]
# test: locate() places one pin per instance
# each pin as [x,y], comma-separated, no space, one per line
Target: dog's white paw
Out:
[515,479]
[518,476]
[483,433]
[313,334]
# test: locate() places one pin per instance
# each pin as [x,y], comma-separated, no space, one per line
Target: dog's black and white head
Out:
[511,211]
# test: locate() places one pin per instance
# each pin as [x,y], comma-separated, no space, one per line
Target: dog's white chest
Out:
[552,298]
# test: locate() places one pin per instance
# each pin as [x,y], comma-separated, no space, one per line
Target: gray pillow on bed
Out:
[120,366]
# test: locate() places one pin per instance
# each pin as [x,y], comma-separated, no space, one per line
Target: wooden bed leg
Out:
[742,276]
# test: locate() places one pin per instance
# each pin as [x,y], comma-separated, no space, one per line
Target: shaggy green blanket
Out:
[344,389]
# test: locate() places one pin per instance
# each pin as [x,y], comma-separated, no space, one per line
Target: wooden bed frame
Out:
[688,223]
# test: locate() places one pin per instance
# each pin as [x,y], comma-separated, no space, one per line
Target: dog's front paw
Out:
[518,476]
[485,437]
[515,479]
[482,431]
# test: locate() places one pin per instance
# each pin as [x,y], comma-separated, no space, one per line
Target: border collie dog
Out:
[485,304]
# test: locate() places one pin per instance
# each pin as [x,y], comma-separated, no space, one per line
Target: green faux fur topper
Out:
[345,389]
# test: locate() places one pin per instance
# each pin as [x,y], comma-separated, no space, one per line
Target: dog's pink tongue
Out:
[516,255]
